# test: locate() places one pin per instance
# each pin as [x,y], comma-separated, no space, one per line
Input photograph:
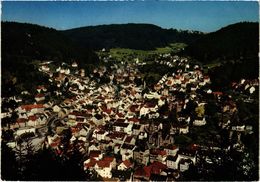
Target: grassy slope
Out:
[123,54]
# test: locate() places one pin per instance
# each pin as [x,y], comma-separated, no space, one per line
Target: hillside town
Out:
[127,130]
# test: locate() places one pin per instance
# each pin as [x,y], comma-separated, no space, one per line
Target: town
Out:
[127,129]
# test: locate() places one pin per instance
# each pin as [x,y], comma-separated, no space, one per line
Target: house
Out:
[33,108]
[141,156]
[130,140]
[123,127]
[45,68]
[90,163]
[22,122]
[127,150]
[74,65]
[92,147]
[104,167]
[188,154]
[184,164]
[95,154]
[252,90]
[41,89]
[172,162]
[117,148]
[238,128]
[144,173]
[199,122]
[158,155]
[56,109]
[171,150]
[32,120]
[100,135]
[125,165]
[184,129]
[116,137]
[137,129]
[21,131]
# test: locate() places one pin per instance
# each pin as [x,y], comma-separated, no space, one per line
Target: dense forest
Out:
[133,36]
[236,41]
[37,42]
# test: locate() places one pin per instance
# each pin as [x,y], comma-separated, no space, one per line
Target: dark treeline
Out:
[37,42]
[223,75]
[235,41]
[133,36]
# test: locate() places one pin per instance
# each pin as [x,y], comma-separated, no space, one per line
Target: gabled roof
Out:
[91,163]
[94,153]
[128,139]
[103,164]
[135,120]
[39,95]
[119,124]
[32,118]
[127,163]
[172,158]
[21,120]
[32,106]
[109,159]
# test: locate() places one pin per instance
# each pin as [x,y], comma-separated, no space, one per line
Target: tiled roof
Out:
[32,106]
[127,163]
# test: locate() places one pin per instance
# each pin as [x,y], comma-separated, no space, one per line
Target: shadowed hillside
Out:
[133,36]
[235,41]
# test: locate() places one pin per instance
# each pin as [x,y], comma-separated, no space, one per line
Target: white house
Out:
[199,122]
[184,129]
[173,162]
[100,135]
[125,165]
[172,150]
[25,130]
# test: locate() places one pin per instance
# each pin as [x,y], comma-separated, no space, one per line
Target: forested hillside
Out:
[235,41]
[22,43]
[133,36]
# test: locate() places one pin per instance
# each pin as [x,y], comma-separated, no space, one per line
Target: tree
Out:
[9,165]
[200,111]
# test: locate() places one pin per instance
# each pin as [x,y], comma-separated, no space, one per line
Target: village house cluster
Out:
[117,125]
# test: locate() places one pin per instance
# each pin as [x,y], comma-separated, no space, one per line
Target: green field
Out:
[123,54]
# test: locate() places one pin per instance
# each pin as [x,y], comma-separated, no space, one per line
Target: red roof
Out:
[120,115]
[150,105]
[128,139]
[32,106]
[109,159]
[21,120]
[217,93]
[91,163]
[127,163]
[157,167]
[116,135]
[94,153]
[32,118]
[169,82]
[41,87]
[108,111]
[103,163]
[101,132]
[39,95]
[133,108]
[135,120]
[173,147]
[74,129]
[158,152]
[143,172]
